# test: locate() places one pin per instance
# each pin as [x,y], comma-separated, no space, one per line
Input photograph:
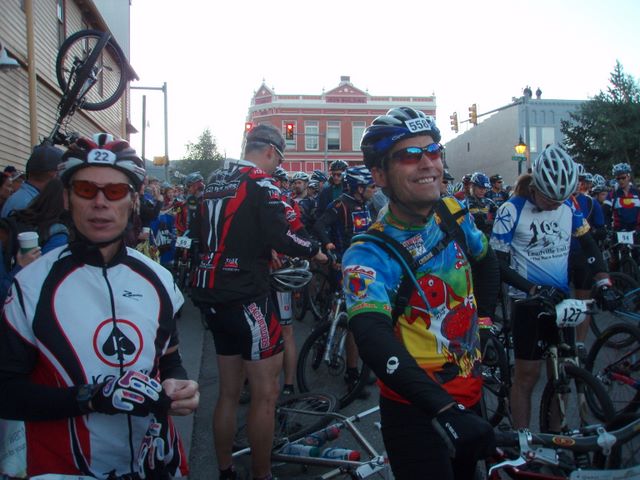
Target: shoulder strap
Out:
[400,253]
[451,214]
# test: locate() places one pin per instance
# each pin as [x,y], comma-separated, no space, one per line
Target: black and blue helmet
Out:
[387,130]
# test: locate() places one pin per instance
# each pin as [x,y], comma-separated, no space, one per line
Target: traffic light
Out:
[248,126]
[454,121]
[473,114]
[289,131]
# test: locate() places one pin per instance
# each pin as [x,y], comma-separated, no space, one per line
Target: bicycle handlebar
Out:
[602,439]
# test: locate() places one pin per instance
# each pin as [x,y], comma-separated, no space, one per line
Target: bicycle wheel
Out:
[600,321]
[319,296]
[315,374]
[570,396]
[495,378]
[630,267]
[295,417]
[617,368]
[80,59]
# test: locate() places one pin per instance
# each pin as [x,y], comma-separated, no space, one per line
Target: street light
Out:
[521,150]
[166,123]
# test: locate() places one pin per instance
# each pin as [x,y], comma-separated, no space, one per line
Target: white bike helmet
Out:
[555,173]
[291,277]
[300,176]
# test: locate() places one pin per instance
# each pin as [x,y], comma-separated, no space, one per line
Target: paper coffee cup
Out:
[28,241]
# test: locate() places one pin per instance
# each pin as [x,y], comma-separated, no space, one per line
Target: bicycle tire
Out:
[629,267]
[300,303]
[625,454]
[291,426]
[315,375]
[495,378]
[319,296]
[600,321]
[603,359]
[579,387]
[81,45]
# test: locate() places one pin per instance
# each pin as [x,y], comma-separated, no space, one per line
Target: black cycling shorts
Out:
[579,272]
[415,449]
[250,329]
[532,335]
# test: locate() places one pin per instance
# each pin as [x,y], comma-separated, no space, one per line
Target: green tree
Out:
[606,129]
[201,156]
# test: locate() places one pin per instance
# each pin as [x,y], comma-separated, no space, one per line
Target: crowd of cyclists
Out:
[461,240]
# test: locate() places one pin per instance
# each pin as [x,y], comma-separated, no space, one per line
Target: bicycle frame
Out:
[376,463]
[337,308]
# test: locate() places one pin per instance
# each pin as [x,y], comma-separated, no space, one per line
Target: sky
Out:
[215,54]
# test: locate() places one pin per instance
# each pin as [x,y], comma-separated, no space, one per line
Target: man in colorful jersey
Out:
[532,237]
[88,342]
[622,205]
[242,220]
[427,363]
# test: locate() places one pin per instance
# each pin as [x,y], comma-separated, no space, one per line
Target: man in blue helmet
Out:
[425,354]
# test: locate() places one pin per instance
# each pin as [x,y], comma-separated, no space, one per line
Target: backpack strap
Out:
[451,215]
[409,266]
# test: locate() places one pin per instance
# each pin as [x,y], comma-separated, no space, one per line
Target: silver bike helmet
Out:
[291,277]
[555,174]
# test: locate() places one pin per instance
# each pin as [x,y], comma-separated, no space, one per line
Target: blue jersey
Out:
[442,335]
[592,212]
[625,208]
[538,241]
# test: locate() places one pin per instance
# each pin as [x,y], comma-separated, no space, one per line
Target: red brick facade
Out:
[327,126]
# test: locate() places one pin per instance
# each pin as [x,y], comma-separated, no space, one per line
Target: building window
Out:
[291,144]
[60,16]
[548,136]
[311,135]
[357,130]
[333,135]
[533,139]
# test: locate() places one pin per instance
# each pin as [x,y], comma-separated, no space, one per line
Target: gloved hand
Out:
[134,393]
[465,433]
[552,294]
[607,295]
[154,450]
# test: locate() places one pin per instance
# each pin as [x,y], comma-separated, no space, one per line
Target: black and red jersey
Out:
[242,218]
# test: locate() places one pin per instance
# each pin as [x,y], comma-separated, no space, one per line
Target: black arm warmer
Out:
[171,366]
[510,276]
[20,399]
[377,344]
[594,256]
[486,283]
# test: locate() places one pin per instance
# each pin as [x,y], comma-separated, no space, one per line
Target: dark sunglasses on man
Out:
[412,155]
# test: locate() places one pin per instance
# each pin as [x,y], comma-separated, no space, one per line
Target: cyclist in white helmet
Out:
[532,235]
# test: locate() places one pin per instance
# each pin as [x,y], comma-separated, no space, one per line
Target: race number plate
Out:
[625,237]
[183,242]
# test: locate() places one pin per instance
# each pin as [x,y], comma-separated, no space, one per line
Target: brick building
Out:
[327,126]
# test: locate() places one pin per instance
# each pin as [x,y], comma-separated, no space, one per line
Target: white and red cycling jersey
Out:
[71,320]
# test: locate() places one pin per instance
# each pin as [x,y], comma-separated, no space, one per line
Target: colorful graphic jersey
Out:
[625,208]
[538,241]
[443,335]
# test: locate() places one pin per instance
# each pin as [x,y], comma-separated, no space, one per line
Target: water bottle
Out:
[317,439]
[299,450]
[341,454]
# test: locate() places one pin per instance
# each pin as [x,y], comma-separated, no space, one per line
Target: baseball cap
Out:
[45,158]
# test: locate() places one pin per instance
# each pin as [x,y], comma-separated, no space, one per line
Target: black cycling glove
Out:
[134,393]
[607,296]
[465,433]
[552,294]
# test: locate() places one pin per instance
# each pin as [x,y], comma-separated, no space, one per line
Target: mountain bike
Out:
[592,452]
[495,370]
[91,70]
[620,253]
[614,359]
[322,360]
